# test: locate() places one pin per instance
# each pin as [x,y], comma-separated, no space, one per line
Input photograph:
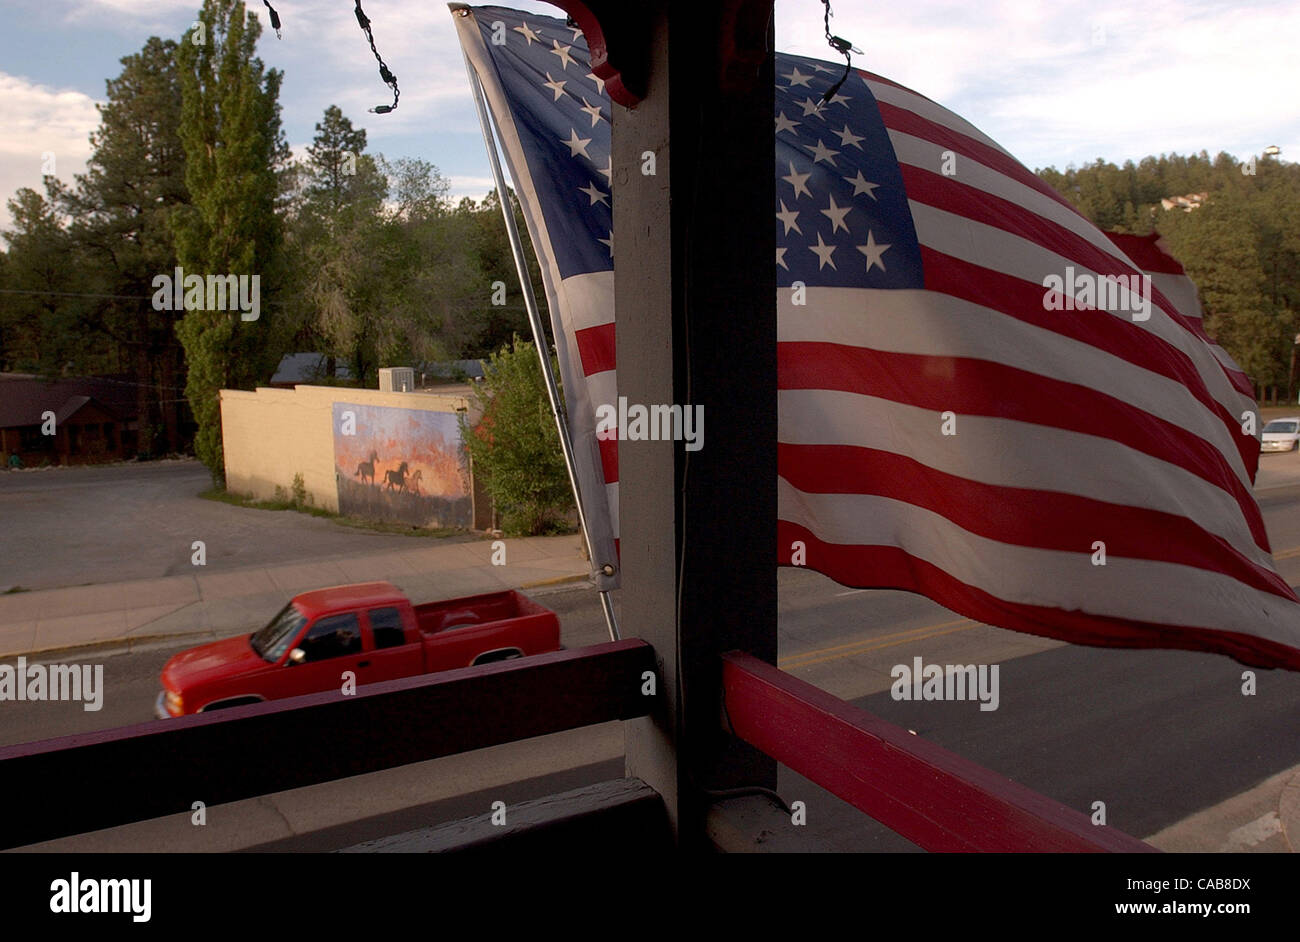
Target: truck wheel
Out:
[234,702]
[491,657]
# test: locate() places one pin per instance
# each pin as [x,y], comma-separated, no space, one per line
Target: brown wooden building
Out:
[94,420]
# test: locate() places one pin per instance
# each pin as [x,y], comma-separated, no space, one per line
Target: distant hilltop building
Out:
[1186,203]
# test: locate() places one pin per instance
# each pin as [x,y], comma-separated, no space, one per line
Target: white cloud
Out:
[41,122]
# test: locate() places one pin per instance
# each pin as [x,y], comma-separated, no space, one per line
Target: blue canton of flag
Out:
[842,215]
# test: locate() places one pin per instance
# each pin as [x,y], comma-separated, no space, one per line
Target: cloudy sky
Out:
[1054,81]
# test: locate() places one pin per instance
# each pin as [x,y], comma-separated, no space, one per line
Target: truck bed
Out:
[434,617]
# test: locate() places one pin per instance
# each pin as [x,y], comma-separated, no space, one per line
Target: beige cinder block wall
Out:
[270,435]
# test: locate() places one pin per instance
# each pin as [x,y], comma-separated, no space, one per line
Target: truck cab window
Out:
[333,636]
[386,626]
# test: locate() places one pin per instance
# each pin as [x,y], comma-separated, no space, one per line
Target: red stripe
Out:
[952,196]
[872,76]
[1023,300]
[945,193]
[981,387]
[900,119]
[596,348]
[1049,520]
[1145,253]
[889,567]
[609,458]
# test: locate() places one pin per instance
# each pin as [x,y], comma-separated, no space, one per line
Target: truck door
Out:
[391,654]
[332,645]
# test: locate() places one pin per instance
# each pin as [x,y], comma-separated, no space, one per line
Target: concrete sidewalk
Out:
[212,605]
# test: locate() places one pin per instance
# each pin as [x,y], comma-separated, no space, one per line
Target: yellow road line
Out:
[871,644]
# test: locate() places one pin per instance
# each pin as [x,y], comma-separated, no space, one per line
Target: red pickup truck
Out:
[371,629]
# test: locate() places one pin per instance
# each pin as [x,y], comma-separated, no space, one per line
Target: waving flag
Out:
[982,398]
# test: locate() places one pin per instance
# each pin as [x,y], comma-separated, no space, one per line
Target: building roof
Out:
[25,398]
[305,368]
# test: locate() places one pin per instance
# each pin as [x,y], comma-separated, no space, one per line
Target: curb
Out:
[556,580]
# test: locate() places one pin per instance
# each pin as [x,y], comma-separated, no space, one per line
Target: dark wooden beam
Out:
[97,780]
[931,796]
[695,283]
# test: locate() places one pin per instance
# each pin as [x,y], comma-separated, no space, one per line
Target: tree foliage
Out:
[234,148]
[1240,243]
[515,447]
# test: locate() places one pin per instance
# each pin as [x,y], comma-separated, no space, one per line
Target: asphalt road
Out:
[1156,735]
[83,525]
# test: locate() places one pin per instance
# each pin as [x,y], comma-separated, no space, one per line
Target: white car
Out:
[1281,435]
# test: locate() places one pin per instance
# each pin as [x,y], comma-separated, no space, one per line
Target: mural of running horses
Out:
[367,468]
[421,480]
[396,480]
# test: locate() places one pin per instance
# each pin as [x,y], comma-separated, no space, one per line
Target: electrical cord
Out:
[384,73]
[840,45]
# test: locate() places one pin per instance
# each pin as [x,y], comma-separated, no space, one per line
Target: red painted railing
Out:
[931,796]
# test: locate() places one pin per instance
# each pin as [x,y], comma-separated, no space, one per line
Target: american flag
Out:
[972,404]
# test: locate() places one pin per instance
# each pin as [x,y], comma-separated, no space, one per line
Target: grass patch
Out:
[305,507]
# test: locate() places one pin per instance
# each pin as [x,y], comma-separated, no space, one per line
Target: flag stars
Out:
[823,252]
[562,52]
[798,180]
[861,185]
[608,169]
[821,152]
[810,107]
[780,257]
[600,82]
[797,78]
[577,33]
[849,139]
[609,243]
[785,124]
[593,110]
[788,217]
[839,100]
[577,145]
[836,215]
[557,87]
[594,194]
[873,251]
[527,33]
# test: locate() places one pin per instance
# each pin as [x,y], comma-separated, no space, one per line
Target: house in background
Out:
[95,419]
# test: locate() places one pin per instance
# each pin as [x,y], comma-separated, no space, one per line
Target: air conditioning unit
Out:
[396,379]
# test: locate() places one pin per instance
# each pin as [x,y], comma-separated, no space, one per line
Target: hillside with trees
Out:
[1236,233]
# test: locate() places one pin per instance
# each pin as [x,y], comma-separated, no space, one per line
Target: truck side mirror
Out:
[297,656]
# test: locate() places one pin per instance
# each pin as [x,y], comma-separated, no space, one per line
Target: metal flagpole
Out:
[539,335]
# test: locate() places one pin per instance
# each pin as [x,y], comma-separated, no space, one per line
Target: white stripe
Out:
[925,108]
[1142,590]
[933,324]
[1002,251]
[1008,453]
[1180,291]
[926,155]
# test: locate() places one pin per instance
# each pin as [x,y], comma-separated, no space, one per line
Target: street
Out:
[1157,736]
